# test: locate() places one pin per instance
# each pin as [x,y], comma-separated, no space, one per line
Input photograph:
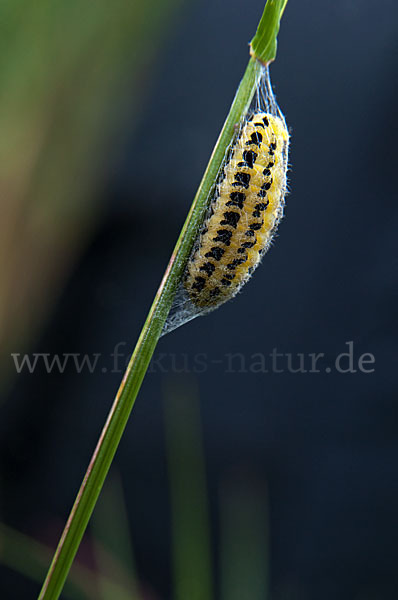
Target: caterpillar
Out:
[244,215]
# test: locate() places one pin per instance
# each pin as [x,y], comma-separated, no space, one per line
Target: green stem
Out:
[263,45]
[139,362]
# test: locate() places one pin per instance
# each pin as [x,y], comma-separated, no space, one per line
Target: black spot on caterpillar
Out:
[224,236]
[249,158]
[242,179]
[230,218]
[225,282]
[252,211]
[256,138]
[237,199]
[256,226]
[199,284]
[208,268]
[259,208]
[215,252]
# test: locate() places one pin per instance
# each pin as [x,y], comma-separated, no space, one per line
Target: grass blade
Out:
[192,560]
[29,558]
[140,359]
[112,544]
[244,540]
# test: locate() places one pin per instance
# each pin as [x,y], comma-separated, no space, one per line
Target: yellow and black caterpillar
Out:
[245,213]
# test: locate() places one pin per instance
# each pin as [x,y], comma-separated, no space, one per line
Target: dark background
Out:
[325,444]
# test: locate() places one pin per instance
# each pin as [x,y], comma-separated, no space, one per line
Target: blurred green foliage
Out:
[243,518]
[192,559]
[70,73]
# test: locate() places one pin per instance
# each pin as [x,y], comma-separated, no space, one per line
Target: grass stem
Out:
[140,359]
